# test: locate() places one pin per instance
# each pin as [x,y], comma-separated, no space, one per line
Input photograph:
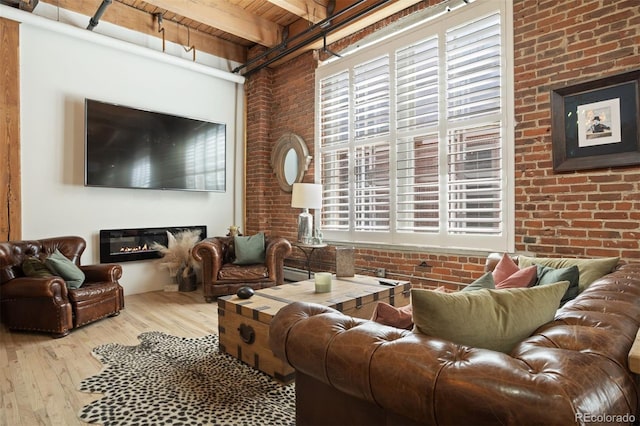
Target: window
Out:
[414,135]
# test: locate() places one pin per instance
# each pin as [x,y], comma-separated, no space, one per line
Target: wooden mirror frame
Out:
[287,142]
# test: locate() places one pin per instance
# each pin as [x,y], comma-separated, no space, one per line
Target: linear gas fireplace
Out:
[126,245]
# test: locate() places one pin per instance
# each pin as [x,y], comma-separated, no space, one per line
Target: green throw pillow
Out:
[59,265]
[490,319]
[548,275]
[33,267]
[590,269]
[249,250]
[485,281]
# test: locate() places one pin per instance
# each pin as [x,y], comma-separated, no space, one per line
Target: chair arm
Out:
[30,287]
[102,272]
[210,254]
[277,249]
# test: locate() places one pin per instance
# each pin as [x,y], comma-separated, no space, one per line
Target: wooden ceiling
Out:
[230,28]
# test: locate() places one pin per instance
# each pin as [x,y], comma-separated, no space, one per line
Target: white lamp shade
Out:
[307,196]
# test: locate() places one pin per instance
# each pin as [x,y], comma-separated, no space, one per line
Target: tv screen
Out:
[132,148]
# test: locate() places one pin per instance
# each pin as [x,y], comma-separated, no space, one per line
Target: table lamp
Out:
[306,196]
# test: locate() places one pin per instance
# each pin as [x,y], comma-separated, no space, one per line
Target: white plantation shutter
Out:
[412,136]
[473,69]
[417,107]
[371,98]
[336,209]
[334,122]
[418,186]
[372,202]
[474,181]
[474,158]
[417,92]
[334,140]
[371,93]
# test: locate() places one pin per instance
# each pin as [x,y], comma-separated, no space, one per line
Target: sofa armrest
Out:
[31,287]
[277,249]
[102,272]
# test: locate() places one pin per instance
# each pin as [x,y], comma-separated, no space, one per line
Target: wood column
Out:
[11,214]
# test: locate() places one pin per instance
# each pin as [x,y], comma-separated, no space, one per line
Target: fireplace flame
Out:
[143,247]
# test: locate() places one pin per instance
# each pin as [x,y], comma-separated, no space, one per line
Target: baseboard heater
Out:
[295,274]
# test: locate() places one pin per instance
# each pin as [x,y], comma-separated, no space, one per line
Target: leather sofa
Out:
[46,304]
[220,276]
[572,370]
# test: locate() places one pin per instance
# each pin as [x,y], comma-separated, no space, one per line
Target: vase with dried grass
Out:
[177,259]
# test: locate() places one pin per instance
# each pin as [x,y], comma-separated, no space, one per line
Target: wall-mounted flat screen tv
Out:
[131,148]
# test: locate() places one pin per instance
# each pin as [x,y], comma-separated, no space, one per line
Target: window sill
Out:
[411,248]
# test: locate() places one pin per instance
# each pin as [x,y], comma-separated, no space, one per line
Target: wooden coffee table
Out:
[243,324]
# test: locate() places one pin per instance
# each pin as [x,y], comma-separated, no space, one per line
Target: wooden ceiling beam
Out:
[226,17]
[383,12]
[143,22]
[137,20]
[377,15]
[311,10]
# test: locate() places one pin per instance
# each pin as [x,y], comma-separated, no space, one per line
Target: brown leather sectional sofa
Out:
[572,370]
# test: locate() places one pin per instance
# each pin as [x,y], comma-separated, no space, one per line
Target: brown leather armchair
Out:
[45,303]
[220,276]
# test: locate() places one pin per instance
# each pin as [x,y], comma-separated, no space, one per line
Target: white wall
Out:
[57,72]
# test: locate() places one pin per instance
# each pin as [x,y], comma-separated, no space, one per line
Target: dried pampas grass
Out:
[176,255]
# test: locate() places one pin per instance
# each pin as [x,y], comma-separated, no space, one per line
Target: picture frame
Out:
[596,124]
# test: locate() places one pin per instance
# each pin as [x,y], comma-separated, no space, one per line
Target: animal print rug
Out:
[168,380]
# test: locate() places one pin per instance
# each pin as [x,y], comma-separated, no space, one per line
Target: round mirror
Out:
[291,166]
[290,159]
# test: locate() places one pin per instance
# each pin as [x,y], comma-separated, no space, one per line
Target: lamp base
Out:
[305,227]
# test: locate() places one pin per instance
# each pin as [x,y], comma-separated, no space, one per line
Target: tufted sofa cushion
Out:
[570,368]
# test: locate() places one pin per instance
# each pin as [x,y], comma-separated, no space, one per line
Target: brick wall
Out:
[585,214]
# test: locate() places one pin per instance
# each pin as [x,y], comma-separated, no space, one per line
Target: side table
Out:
[308,250]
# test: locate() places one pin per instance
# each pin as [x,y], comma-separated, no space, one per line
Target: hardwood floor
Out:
[39,375]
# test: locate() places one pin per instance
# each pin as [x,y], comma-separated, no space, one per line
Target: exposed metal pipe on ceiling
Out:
[325,26]
[93,22]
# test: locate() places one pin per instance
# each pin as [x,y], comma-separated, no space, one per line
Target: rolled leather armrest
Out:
[30,287]
[210,253]
[102,272]
[434,381]
[277,246]
[276,250]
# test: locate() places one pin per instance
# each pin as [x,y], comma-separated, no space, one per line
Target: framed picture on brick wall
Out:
[596,124]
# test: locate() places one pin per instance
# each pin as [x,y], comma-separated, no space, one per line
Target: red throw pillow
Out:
[395,317]
[504,269]
[507,274]
[523,278]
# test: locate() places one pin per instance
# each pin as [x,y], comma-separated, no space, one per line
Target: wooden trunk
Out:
[244,323]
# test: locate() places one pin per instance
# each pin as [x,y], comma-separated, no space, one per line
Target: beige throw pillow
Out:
[490,319]
[590,269]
